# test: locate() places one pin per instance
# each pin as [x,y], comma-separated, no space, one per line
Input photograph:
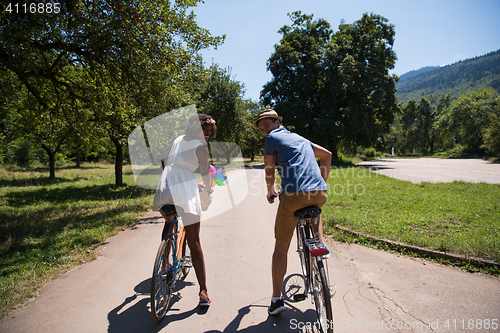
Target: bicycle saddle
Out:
[172,210]
[308,212]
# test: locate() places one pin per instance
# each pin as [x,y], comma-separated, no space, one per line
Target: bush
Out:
[342,157]
[371,152]
[20,153]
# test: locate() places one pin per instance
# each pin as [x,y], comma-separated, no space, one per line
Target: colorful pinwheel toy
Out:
[217,176]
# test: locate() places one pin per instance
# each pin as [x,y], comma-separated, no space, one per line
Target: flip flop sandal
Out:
[204,300]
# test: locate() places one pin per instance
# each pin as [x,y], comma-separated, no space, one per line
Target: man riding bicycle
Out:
[303,184]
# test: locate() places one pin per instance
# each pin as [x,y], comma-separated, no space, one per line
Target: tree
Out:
[298,70]
[442,104]
[222,98]
[7,100]
[126,61]
[334,86]
[409,126]
[418,124]
[492,131]
[468,117]
[43,125]
[361,95]
[254,140]
[418,119]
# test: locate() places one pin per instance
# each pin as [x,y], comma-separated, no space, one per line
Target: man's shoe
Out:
[276,307]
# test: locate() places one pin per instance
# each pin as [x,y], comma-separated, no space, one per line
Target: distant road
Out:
[436,170]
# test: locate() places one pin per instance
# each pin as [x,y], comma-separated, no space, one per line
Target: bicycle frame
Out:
[311,253]
[171,262]
[178,233]
[312,250]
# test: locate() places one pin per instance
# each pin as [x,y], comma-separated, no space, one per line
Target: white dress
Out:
[178,184]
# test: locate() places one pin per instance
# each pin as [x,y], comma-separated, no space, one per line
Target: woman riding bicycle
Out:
[179,186]
[303,185]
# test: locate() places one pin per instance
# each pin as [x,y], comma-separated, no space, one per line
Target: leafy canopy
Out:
[334,87]
[105,65]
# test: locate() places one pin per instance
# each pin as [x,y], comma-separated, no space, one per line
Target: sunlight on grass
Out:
[453,217]
[51,225]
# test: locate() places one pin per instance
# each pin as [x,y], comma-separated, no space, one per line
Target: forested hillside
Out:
[457,79]
[417,72]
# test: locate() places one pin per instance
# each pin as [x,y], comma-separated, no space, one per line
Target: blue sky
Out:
[428,32]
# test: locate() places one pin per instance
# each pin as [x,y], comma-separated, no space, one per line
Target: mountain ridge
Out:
[417,72]
[457,78]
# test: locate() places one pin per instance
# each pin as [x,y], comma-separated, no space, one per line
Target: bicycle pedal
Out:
[299,297]
[333,290]
[186,262]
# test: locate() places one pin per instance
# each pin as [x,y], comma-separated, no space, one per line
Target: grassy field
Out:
[456,217]
[49,226]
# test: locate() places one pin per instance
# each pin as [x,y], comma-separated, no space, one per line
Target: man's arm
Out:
[325,160]
[270,167]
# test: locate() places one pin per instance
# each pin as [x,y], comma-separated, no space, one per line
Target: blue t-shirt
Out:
[295,161]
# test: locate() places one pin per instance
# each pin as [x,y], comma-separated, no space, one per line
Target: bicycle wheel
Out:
[162,280]
[186,259]
[294,287]
[322,299]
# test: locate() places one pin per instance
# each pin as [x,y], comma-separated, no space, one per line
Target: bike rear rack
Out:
[316,247]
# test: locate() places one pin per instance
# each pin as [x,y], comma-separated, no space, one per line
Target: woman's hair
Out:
[196,121]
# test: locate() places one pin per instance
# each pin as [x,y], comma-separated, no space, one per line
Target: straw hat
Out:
[267,113]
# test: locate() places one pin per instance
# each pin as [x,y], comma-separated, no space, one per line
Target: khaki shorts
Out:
[289,204]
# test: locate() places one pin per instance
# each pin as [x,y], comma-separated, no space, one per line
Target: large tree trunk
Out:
[52,156]
[118,162]
[52,165]
[78,159]
[52,161]
[332,140]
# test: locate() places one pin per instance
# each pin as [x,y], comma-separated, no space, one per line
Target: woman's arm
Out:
[202,155]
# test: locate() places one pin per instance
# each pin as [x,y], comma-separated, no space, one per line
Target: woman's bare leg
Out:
[193,240]
[168,221]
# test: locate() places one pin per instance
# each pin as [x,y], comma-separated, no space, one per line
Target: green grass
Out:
[458,217]
[49,226]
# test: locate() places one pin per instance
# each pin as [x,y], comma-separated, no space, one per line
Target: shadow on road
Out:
[373,167]
[136,317]
[287,321]
[152,219]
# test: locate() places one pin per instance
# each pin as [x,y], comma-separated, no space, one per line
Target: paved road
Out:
[435,170]
[375,291]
